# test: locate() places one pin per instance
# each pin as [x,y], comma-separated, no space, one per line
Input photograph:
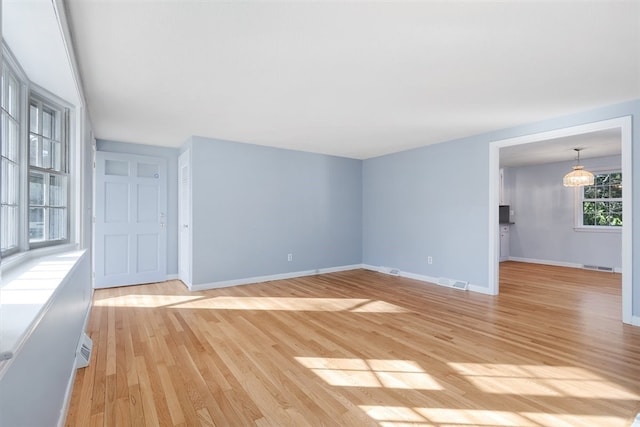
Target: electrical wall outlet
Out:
[289,257]
[429,260]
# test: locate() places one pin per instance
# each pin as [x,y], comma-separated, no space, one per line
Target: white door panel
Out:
[131,234]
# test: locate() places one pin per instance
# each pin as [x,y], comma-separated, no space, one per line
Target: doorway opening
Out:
[623,125]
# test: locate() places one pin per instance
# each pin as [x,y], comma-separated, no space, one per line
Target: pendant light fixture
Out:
[578,177]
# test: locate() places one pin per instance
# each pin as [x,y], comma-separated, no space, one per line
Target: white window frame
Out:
[47,101]
[579,214]
[29,91]
[9,62]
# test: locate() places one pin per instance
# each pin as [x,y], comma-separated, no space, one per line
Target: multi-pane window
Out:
[602,201]
[34,185]
[47,173]
[10,183]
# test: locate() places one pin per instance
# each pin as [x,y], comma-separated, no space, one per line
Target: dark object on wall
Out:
[504,214]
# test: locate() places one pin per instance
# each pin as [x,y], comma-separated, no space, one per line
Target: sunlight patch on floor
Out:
[142,300]
[353,305]
[294,304]
[540,380]
[381,373]
[400,416]
[397,416]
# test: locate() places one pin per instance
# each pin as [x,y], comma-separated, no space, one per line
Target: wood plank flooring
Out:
[360,348]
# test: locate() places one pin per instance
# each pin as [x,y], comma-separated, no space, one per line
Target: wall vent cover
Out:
[83,353]
[597,267]
[452,283]
[460,285]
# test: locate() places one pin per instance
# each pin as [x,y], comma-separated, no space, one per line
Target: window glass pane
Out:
[616,191]
[12,141]
[3,95]
[57,190]
[10,137]
[33,118]
[601,179]
[9,187]
[116,167]
[588,213]
[9,230]
[5,185]
[36,224]
[601,213]
[13,95]
[35,155]
[36,188]
[48,124]
[615,214]
[10,93]
[589,192]
[616,179]
[46,153]
[57,224]
[56,156]
[147,170]
[5,134]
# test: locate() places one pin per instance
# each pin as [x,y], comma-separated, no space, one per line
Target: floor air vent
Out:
[597,267]
[83,353]
[460,285]
[455,284]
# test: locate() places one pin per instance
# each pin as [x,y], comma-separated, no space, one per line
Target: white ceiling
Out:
[355,79]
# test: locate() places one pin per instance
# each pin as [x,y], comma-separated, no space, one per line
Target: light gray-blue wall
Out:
[253,205]
[544,228]
[434,201]
[171,154]
[426,202]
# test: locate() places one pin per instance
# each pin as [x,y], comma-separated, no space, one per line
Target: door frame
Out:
[624,124]
[184,224]
[164,176]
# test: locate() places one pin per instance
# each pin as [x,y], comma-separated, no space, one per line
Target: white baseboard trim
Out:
[556,263]
[426,279]
[282,276]
[546,262]
[172,277]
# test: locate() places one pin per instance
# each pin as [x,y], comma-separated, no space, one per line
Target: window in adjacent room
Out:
[601,203]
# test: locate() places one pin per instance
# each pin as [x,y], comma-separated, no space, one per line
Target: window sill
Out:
[26,291]
[16,260]
[598,229]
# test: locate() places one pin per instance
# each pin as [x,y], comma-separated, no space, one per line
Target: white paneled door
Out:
[130,223]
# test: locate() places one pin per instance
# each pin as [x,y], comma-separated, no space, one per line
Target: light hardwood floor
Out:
[360,348]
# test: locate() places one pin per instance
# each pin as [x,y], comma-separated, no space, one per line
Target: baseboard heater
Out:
[597,267]
[83,353]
